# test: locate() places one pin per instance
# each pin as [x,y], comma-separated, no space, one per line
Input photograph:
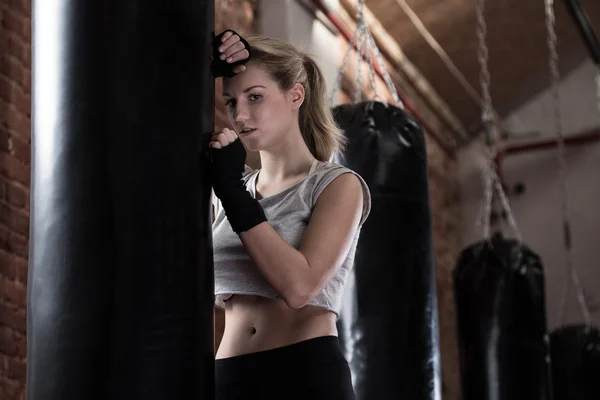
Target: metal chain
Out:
[340,75]
[359,60]
[372,82]
[565,207]
[492,184]
[361,35]
[386,77]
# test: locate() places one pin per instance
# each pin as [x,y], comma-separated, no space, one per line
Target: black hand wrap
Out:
[222,67]
[242,210]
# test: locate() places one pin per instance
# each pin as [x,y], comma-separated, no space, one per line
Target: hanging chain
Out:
[363,40]
[359,53]
[573,277]
[492,184]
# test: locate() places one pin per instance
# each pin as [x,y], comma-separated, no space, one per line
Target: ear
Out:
[296,96]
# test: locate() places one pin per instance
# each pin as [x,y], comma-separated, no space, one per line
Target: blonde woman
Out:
[284,236]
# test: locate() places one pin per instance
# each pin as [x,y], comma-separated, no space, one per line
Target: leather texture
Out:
[389,319]
[501,318]
[121,282]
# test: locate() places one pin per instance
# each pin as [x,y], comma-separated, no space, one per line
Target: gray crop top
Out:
[288,212]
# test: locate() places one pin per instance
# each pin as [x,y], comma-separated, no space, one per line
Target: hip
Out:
[312,369]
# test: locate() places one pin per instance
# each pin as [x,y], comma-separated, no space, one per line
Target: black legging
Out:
[314,369]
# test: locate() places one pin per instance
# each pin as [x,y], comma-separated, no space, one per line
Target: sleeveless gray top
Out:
[288,212]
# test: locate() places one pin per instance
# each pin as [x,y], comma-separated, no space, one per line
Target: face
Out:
[262,114]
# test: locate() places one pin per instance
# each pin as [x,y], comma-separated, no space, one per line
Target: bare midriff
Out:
[254,323]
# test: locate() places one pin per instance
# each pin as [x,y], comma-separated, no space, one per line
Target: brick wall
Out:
[15,86]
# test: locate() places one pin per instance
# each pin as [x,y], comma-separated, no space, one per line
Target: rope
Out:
[562,163]
[492,184]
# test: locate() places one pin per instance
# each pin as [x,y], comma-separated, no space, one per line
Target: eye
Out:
[255,97]
[230,103]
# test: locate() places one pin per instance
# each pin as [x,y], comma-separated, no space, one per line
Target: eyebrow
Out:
[246,90]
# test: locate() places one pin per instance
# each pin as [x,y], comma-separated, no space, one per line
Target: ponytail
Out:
[289,66]
[321,134]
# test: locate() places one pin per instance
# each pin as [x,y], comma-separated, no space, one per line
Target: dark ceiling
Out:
[517,41]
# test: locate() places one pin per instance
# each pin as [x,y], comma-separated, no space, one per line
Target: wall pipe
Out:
[543,144]
[435,135]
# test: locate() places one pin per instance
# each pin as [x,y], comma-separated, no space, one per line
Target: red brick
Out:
[16,369]
[9,388]
[20,149]
[26,29]
[13,169]
[5,89]
[18,48]
[18,244]
[21,6]
[16,194]
[8,268]
[12,22]
[11,67]
[5,214]
[3,40]
[13,317]
[4,135]
[15,120]
[26,80]
[17,221]
[13,292]
[12,343]
[3,237]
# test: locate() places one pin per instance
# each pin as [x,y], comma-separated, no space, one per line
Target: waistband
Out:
[298,356]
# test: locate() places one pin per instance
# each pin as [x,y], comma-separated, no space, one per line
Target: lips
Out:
[247,131]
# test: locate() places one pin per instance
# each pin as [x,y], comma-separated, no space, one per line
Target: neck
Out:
[289,159]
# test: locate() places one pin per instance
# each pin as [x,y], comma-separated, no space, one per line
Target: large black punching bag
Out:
[502,335]
[161,119]
[575,351]
[71,241]
[120,280]
[389,321]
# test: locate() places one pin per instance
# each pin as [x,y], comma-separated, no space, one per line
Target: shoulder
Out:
[338,181]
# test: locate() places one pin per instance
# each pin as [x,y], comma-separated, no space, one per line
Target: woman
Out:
[284,236]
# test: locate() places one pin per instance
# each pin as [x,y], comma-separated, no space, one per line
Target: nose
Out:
[240,114]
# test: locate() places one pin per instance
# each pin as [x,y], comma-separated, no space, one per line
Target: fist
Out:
[232,50]
[220,140]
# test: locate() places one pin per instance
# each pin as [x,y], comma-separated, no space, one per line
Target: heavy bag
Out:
[159,123]
[389,320]
[69,290]
[575,352]
[502,335]
[120,291]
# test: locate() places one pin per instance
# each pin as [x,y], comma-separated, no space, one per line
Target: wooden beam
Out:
[393,52]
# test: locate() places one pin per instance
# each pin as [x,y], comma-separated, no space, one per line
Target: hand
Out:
[232,50]
[228,159]
[222,139]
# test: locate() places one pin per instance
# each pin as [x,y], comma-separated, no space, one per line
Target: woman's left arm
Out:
[299,275]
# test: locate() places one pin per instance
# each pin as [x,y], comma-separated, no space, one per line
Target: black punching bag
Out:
[161,119]
[120,280]
[500,306]
[575,351]
[389,322]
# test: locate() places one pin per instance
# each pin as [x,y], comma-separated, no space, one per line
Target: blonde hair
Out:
[288,66]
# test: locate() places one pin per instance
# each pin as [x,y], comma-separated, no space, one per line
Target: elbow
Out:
[299,296]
